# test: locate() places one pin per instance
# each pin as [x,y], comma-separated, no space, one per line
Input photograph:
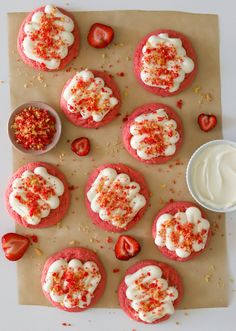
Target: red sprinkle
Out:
[120,74]
[115,270]
[179,103]
[65,324]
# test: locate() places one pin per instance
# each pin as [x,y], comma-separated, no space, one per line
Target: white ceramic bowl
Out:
[189,170]
[37,104]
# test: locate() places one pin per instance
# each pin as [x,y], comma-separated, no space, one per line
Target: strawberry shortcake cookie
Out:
[116,197]
[165,62]
[150,291]
[37,195]
[48,39]
[90,99]
[73,279]
[153,133]
[181,231]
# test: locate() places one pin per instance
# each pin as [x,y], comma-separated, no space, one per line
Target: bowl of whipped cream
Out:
[211,175]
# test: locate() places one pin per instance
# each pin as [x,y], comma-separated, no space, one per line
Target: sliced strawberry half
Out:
[100,35]
[207,122]
[81,146]
[126,247]
[14,246]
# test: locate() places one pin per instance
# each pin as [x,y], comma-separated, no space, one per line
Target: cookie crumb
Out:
[38,252]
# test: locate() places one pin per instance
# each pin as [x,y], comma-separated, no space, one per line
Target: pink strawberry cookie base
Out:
[189,51]
[84,255]
[145,109]
[55,215]
[168,273]
[77,119]
[72,51]
[172,208]
[134,176]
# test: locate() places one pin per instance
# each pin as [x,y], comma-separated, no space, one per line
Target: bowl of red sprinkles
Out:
[34,128]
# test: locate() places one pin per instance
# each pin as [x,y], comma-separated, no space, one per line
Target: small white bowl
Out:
[189,169]
[37,104]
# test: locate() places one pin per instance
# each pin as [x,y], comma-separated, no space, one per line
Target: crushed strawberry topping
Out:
[183,235]
[47,39]
[91,97]
[34,128]
[35,188]
[69,281]
[156,64]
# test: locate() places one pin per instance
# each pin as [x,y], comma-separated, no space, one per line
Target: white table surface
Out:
[28,318]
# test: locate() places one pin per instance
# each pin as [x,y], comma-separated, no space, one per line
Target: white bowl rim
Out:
[35,104]
[188,169]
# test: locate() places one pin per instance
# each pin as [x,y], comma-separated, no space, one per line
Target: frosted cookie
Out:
[73,279]
[48,39]
[181,231]
[116,197]
[153,133]
[150,291]
[37,195]
[90,99]
[165,62]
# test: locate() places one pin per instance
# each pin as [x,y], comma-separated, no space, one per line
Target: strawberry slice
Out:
[81,146]
[207,122]
[14,246]
[126,247]
[100,35]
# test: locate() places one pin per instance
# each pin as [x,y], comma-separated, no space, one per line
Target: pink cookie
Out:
[161,66]
[116,199]
[46,52]
[168,273]
[76,117]
[74,274]
[55,215]
[184,229]
[154,136]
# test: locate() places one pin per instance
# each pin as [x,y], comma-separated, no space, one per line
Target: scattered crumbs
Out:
[126,93]
[65,324]
[45,85]
[208,97]
[104,55]
[101,247]
[38,252]
[177,323]
[120,74]
[186,313]
[59,225]
[197,89]
[128,58]
[72,242]
[25,85]
[179,103]
[163,185]
[73,187]
[109,240]
[115,270]
[214,228]
[1,81]
[220,283]
[208,277]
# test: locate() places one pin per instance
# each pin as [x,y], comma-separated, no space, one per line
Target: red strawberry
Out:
[126,247]
[207,122]
[14,245]
[80,146]
[100,35]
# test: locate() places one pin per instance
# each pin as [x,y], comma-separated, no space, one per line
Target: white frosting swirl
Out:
[154,134]
[72,284]
[115,198]
[150,295]
[48,37]
[34,194]
[89,96]
[182,233]
[214,176]
[168,71]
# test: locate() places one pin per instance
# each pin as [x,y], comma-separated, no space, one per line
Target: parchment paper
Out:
[205,278]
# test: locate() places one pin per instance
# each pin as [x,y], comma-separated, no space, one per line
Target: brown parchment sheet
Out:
[205,278]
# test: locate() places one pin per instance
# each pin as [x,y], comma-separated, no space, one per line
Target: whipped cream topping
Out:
[150,295]
[72,284]
[115,198]
[48,37]
[153,135]
[214,176]
[164,62]
[182,233]
[34,194]
[89,96]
